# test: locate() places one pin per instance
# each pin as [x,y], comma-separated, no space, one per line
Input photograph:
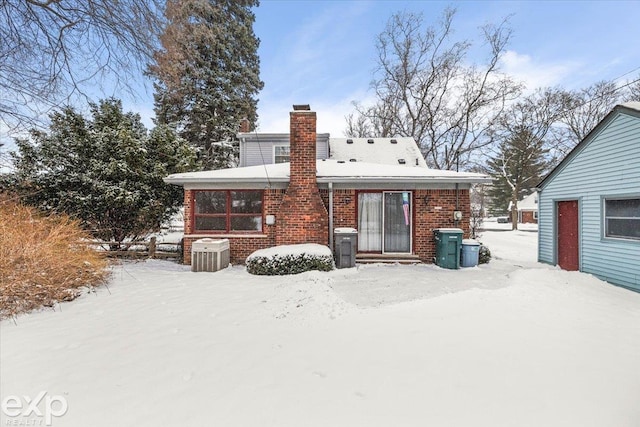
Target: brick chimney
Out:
[302,216]
[245,126]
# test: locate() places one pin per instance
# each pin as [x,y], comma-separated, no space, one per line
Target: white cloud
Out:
[274,115]
[535,74]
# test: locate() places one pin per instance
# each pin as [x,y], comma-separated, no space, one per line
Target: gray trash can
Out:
[345,241]
[470,252]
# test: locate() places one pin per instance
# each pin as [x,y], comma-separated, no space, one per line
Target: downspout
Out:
[331,216]
[457,186]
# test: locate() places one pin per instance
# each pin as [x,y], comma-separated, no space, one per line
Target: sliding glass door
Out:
[384,222]
[370,222]
[397,222]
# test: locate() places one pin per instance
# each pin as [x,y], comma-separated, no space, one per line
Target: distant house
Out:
[297,187]
[589,216]
[527,209]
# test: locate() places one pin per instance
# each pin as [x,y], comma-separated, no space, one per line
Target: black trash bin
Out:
[345,241]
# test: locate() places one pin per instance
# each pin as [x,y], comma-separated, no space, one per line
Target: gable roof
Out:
[528,203]
[388,151]
[329,171]
[629,108]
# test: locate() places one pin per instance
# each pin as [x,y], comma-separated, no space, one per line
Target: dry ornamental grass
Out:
[43,260]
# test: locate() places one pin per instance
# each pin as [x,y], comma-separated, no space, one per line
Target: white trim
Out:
[273,152]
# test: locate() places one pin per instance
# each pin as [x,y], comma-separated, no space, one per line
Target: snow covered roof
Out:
[528,203]
[390,151]
[635,105]
[336,171]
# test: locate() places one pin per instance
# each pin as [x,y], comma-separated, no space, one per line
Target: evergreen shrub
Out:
[281,261]
[484,255]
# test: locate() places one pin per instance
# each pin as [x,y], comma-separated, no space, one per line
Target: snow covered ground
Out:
[511,343]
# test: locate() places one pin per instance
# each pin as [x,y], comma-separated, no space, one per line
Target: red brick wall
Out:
[425,219]
[303,218]
[527,217]
[428,217]
[240,246]
[345,203]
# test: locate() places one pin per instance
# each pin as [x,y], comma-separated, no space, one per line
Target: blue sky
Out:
[322,52]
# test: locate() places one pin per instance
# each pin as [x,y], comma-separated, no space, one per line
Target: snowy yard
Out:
[511,343]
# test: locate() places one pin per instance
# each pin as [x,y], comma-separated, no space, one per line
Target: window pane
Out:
[246,202]
[218,223]
[623,208]
[211,202]
[246,223]
[281,153]
[629,228]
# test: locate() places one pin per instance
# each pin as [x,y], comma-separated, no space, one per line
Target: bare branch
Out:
[55,51]
[426,89]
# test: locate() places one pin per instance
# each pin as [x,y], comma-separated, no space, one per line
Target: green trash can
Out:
[448,243]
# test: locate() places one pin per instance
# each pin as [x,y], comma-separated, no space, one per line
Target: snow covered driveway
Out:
[512,343]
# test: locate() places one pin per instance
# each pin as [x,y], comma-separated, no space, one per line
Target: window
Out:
[622,218]
[228,211]
[535,213]
[281,153]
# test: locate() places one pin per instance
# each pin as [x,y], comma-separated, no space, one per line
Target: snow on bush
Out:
[290,259]
[484,255]
[42,259]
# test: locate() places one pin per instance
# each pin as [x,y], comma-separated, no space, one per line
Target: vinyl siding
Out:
[608,165]
[259,152]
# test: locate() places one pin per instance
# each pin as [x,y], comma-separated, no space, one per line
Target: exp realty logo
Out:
[37,411]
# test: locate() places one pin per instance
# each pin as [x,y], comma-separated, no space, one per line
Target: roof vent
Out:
[349,141]
[340,161]
[369,141]
[354,160]
[394,141]
[402,161]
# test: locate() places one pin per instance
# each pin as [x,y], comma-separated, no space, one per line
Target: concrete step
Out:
[387,259]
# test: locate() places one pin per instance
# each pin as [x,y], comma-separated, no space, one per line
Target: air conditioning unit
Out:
[209,254]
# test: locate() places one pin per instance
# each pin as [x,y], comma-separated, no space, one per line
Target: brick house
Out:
[527,209]
[394,207]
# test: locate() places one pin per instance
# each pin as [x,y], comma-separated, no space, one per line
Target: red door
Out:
[568,250]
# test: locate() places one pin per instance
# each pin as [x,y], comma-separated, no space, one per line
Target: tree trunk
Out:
[514,209]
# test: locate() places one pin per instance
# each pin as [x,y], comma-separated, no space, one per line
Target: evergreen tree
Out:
[525,149]
[207,75]
[516,168]
[106,171]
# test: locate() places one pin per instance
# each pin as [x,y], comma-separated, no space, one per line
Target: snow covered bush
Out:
[42,259]
[290,259]
[106,170]
[484,255]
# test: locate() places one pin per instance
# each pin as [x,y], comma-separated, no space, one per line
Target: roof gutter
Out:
[332,180]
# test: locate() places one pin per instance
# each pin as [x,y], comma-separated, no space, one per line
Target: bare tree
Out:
[53,50]
[426,89]
[634,90]
[584,109]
